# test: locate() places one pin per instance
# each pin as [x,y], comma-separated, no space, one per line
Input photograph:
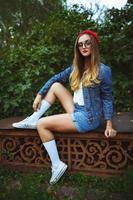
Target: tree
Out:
[29,59]
[117,45]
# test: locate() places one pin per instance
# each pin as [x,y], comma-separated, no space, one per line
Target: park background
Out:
[37,40]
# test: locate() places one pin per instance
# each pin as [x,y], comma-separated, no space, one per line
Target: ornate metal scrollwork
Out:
[83,154]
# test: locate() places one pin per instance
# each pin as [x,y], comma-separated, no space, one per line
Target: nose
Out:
[84,45]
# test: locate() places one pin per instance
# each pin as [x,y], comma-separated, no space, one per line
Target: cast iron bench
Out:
[90,153]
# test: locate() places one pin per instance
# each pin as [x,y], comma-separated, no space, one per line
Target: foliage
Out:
[117,45]
[30,56]
[28,60]
[21,11]
[16,185]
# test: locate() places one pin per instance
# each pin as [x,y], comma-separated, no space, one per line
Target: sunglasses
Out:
[85,44]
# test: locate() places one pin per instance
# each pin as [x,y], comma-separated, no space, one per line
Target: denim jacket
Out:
[98,98]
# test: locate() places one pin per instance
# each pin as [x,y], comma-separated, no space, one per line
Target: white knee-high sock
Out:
[51,148]
[43,108]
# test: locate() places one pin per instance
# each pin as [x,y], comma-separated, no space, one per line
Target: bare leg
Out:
[61,122]
[58,91]
[45,126]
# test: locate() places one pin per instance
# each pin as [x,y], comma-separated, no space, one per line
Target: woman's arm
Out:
[62,77]
[108,124]
[107,101]
[106,93]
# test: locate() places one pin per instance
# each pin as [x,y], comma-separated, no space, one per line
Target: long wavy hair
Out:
[88,75]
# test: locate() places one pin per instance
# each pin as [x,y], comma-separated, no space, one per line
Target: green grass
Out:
[15,185]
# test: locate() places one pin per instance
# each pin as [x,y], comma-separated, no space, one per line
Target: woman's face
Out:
[84,45]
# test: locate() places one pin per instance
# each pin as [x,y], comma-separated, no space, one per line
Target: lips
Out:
[84,51]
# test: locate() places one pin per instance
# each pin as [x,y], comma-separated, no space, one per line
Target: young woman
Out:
[91,83]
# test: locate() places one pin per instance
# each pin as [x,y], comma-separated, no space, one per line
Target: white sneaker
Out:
[26,124]
[57,173]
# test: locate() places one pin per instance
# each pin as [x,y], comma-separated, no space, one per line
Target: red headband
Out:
[89,32]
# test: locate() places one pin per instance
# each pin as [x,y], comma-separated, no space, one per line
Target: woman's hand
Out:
[37,102]
[110,132]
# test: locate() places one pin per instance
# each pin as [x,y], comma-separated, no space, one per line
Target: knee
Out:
[40,125]
[55,86]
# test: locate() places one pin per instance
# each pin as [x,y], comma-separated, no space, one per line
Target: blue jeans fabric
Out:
[82,122]
[98,98]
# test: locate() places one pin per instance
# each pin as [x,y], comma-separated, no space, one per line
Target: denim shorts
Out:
[82,122]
